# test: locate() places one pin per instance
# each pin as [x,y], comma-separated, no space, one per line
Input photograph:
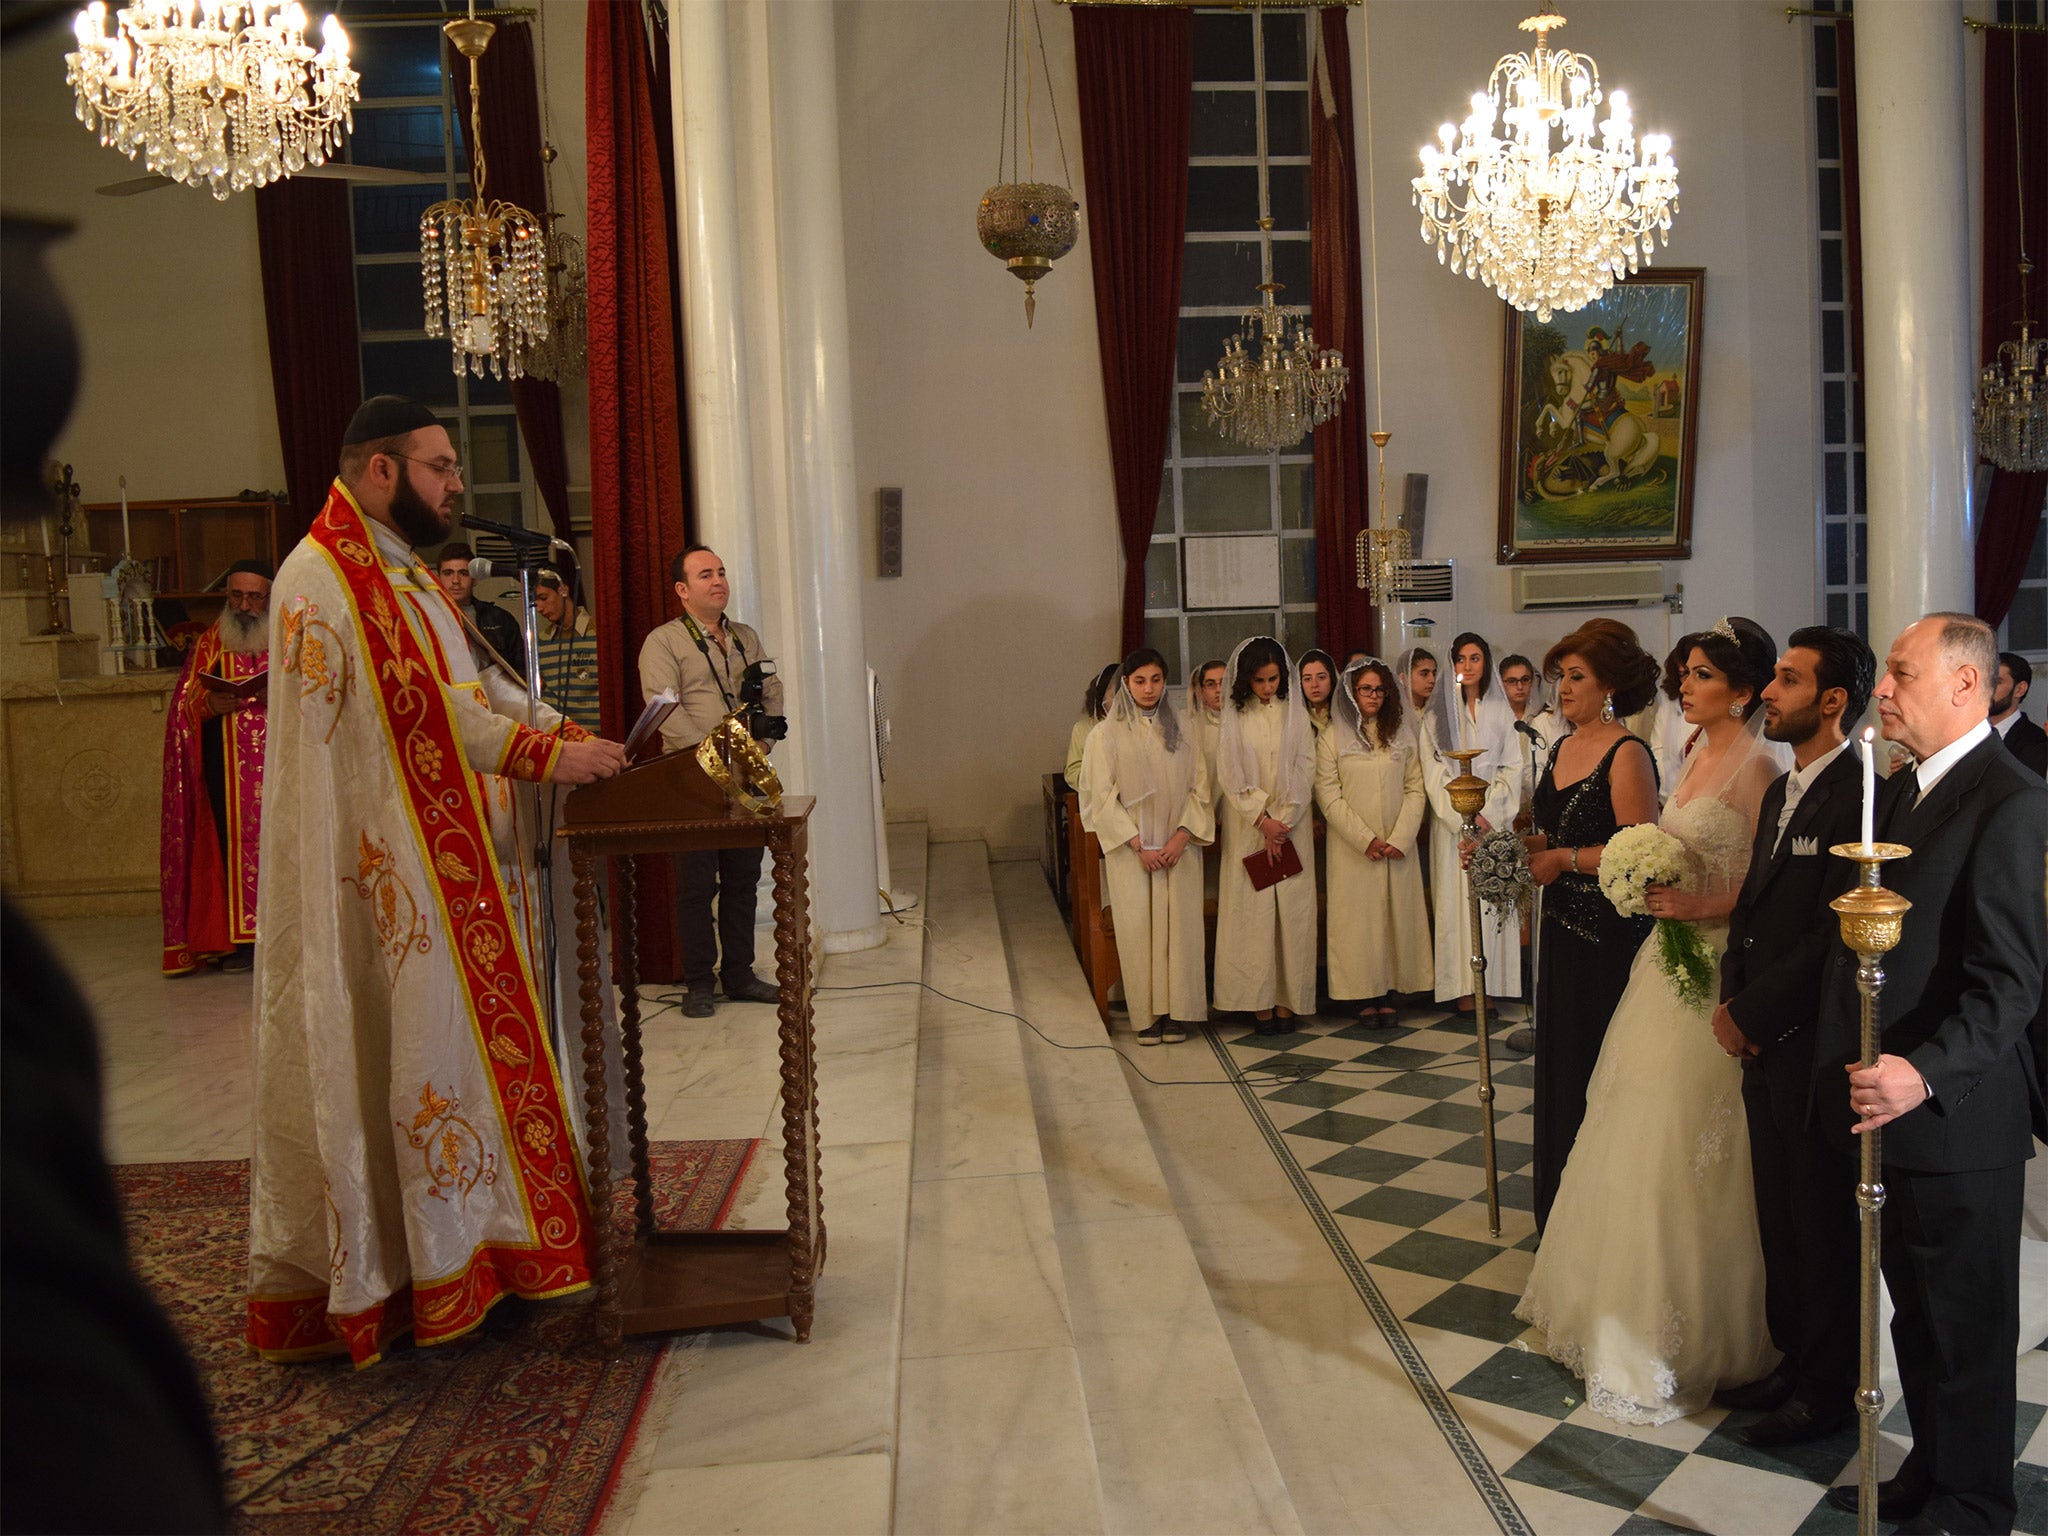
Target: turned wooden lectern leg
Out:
[799,1102]
[605,1254]
[626,945]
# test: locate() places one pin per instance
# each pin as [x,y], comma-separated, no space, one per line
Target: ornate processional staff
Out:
[1468,796]
[1871,919]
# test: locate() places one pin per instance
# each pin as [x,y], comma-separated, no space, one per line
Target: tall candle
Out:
[127,543]
[44,524]
[1869,784]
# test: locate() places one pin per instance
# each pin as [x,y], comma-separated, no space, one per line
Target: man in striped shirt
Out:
[568,650]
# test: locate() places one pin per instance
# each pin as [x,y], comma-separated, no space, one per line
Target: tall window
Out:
[2026,623]
[1248,135]
[414,116]
[1843,521]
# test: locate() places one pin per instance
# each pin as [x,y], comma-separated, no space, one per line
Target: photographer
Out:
[715,665]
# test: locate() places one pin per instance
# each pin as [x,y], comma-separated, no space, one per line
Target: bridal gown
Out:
[1649,1281]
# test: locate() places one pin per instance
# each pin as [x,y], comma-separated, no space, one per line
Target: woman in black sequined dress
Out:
[1598,780]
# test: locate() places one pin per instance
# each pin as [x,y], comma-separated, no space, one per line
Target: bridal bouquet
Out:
[1499,870]
[1637,858]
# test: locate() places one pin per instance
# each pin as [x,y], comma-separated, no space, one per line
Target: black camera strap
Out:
[739,648]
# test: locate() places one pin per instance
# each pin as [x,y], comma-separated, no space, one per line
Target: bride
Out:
[1649,1281]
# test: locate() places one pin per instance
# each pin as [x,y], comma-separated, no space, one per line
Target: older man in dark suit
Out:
[1779,938]
[1958,1088]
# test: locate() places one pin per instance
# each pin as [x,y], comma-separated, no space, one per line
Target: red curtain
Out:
[307,255]
[1344,489]
[2012,509]
[515,172]
[637,486]
[1136,71]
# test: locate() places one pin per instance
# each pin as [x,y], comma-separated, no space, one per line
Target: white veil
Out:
[1413,722]
[1116,748]
[1237,765]
[1491,728]
[1737,781]
[1344,716]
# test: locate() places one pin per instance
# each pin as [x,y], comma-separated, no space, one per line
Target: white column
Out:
[824,516]
[721,462]
[1918,371]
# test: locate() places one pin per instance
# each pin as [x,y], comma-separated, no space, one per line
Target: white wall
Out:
[165,292]
[1727,82]
[1010,595]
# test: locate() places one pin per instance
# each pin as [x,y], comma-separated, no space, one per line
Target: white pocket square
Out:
[1805,847]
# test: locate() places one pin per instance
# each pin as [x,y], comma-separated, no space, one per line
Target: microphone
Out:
[518,537]
[1529,731]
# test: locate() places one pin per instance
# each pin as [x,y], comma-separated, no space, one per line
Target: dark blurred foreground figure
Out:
[102,1423]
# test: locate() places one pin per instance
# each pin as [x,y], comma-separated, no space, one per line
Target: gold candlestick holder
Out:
[1872,918]
[1468,797]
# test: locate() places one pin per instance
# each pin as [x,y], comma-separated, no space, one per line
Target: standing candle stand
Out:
[1468,796]
[57,568]
[1871,919]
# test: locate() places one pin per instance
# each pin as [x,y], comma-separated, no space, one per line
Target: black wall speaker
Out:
[1414,501]
[889,531]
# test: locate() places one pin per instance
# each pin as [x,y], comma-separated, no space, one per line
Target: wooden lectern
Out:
[660,1280]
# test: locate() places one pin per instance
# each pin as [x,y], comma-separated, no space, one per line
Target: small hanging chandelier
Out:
[1549,230]
[1384,554]
[1273,385]
[483,265]
[564,352]
[2011,408]
[221,94]
[1027,225]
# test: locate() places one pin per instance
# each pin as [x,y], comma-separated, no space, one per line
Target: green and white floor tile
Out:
[1379,1131]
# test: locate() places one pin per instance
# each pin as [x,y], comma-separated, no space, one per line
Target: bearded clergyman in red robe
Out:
[213,783]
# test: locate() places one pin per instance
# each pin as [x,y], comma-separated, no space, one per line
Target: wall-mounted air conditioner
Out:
[1542,588]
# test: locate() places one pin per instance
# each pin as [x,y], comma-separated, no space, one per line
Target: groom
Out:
[1958,1089]
[1779,939]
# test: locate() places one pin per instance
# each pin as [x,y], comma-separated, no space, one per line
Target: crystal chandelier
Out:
[221,94]
[1027,225]
[1273,385]
[2011,408]
[1547,228]
[1384,554]
[483,265]
[564,352]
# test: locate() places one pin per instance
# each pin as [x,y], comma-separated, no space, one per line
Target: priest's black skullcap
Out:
[252,568]
[383,416]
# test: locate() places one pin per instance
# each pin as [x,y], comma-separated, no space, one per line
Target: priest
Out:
[414,1158]
[213,783]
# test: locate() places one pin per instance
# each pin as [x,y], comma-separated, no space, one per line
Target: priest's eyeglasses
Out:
[447,469]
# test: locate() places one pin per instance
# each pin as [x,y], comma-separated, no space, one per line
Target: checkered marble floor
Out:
[1383,1143]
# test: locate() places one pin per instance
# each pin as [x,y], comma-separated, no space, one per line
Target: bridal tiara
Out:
[1725,630]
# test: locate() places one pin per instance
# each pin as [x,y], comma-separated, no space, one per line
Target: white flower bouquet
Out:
[1635,859]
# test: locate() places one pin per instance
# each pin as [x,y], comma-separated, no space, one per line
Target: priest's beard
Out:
[420,523]
[245,634]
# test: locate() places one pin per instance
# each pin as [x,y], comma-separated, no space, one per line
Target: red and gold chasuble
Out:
[413,1158]
[209,897]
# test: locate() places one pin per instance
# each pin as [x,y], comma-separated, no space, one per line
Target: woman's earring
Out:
[1607,710]
[1734,711]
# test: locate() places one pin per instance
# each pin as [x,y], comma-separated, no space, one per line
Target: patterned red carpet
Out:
[520,1432]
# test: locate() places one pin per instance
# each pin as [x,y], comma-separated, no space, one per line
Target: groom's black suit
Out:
[1779,938]
[1962,1002]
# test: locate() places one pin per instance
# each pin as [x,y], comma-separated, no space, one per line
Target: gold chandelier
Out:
[221,94]
[1548,229]
[2011,409]
[1273,385]
[1026,224]
[483,265]
[1383,554]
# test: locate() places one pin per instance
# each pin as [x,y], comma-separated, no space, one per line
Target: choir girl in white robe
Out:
[1369,785]
[1416,669]
[1145,796]
[1205,717]
[1094,705]
[1469,711]
[1317,671]
[1265,769]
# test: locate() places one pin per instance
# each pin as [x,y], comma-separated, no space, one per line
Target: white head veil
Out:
[1738,781]
[1491,728]
[1541,695]
[1414,722]
[1154,801]
[1237,765]
[1345,719]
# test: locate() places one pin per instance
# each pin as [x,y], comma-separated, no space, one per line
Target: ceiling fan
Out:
[366,175]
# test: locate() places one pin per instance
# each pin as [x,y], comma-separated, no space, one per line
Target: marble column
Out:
[1918,371]
[721,458]
[824,515]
